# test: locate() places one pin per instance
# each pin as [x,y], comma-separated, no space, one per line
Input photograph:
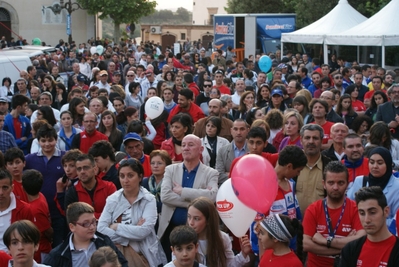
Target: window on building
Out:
[211,19]
[182,36]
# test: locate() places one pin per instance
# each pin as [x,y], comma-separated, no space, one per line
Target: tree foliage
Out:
[120,11]
[308,11]
[166,16]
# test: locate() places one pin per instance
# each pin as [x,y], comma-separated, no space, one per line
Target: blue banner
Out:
[273,27]
[68,24]
[224,31]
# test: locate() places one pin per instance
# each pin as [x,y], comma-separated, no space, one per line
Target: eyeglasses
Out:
[88,224]
[89,121]
[338,77]
[84,168]
[207,85]
[130,75]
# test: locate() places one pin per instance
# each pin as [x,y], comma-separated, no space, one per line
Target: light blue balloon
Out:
[100,49]
[265,63]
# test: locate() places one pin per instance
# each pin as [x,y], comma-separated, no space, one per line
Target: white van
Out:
[10,66]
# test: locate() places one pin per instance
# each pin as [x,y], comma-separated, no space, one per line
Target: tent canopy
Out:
[342,17]
[382,29]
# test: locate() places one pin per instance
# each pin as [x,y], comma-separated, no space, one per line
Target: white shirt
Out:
[100,85]
[236,98]
[5,221]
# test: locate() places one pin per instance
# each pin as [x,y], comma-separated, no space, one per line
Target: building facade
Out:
[33,19]
[203,11]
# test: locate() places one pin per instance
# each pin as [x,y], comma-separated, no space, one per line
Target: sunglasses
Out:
[338,77]
[207,85]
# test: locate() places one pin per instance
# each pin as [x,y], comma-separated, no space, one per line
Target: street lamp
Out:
[70,7]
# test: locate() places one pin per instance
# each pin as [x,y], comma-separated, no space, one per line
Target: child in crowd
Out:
[184,246]
[32,182]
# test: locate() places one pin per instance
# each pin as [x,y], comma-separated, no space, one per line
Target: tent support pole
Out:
[281,50]
[325,48]
[383,52]
[358,54]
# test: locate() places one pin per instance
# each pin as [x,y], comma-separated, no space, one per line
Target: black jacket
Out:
[350,253]
[61,255]
[330,153]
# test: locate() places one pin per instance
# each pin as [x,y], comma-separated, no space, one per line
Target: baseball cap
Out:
[117,73]
[148,72]
[277,92]
[132,136]
[103,73]
[81,78]
[3,100]
[282,66]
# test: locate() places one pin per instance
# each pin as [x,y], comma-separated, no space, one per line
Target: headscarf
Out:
[276,227]
[384,179]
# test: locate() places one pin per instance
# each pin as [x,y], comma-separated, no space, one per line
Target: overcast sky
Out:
[174,4]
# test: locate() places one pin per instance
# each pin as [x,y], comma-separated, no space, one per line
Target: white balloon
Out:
[93,50]
[234,214]
[154,107]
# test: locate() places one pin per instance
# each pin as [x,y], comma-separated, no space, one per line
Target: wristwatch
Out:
[329,240]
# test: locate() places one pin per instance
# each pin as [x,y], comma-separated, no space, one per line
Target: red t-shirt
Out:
[327,130]
[19,192]
[376,253]
[288,260]
[17,127]
[223,89]
[41,213]
[358,106]
[4,258]
[315,221]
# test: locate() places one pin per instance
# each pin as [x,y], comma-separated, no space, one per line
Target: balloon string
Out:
[19,36]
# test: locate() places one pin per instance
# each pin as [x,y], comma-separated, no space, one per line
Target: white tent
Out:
[342,17]
[382,29]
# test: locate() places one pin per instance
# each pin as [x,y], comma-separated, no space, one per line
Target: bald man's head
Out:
[191,148]
[214,107]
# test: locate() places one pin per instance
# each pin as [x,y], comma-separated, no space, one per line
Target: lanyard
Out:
[328,219]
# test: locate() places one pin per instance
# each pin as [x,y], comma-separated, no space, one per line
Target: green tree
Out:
[120,11]
[255,6]
[184,14]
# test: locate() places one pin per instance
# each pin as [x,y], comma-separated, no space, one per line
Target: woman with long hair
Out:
[247,101]
[215,249]
[357,105]
[130,214]
[345,111]
[7,89]
[118,89]
[293,123]
[125,117]
[159,159]
[256,113]
[95,78]
[61,96]
[361,126]
[301,104]
[169,78]
[277,99]
[325,85]
[46,113]
[294,64]
[378,98]
[202,76]
[67,132]
[263,96]
[275,119]
[77,109]
[134,99]
[119,105]
[180,125]
[380,135]
[108,127]
[212,142]
[49,85]
[274,234]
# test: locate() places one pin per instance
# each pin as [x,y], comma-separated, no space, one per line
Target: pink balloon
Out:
[254,182]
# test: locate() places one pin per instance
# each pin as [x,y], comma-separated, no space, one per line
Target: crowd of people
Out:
[87,178]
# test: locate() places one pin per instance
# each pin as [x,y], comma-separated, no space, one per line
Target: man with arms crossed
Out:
[379,247]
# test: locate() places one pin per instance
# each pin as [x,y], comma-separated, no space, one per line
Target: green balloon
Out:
[37,41]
